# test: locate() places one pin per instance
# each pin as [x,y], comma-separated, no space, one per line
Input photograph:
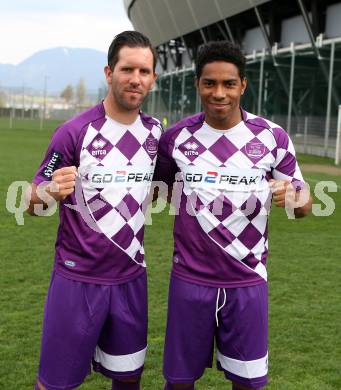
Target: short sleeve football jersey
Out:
[100,236]
[221,227]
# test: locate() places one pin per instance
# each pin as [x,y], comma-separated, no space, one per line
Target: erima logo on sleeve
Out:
[55,159]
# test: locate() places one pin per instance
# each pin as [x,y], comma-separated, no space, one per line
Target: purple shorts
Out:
[240,335]
[84,322]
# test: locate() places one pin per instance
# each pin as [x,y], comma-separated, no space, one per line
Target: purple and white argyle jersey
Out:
[101,231]
[221,228]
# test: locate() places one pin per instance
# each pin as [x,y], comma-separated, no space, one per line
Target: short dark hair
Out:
[130,39]
[220,51]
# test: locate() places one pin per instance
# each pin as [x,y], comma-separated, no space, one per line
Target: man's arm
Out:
[165,169]
[286,196]
[62,184]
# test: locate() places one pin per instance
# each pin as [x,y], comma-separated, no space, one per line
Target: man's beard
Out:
[125,104]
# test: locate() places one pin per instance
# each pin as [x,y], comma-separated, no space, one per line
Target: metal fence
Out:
[296,87]
[31,104]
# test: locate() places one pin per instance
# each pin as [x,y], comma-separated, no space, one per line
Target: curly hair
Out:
[220,51]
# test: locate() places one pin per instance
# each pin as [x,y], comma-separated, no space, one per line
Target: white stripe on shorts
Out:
[245,369]
[120,363]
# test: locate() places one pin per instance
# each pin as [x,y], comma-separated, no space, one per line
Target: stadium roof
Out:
[163,20]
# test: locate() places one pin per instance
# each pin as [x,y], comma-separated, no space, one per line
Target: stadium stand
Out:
[293,51]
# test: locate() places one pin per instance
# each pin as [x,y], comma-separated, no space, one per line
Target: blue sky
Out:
[33,25]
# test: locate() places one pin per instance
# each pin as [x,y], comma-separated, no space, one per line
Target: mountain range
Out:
[61,66]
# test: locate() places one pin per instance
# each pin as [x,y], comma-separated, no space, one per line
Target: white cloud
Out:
[30,31]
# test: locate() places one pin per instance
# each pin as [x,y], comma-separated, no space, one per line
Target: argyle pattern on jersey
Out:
[236,220]
[118,210]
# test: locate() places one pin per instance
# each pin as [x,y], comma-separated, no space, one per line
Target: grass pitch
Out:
[304,281]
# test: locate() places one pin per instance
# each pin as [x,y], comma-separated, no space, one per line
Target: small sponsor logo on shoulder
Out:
[99,147]
[191,146]
[98,144]
[70,263]
[99,152]
[55,159]
[191,149]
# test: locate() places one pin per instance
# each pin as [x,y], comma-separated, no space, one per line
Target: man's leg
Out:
[122,345]
[190,333]
[73,318]
[242,337]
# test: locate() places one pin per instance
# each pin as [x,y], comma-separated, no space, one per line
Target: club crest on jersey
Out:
[151,144]
[255,149]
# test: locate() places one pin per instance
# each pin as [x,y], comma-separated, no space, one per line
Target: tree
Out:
[67,93]
[102,91]
[80,92]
